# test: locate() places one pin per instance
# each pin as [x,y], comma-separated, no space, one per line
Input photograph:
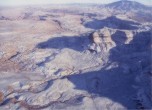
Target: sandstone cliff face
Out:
[103,39]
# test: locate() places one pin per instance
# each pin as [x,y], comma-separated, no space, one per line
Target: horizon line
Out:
[38,4]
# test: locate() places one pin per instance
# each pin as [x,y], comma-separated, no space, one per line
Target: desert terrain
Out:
[76,57]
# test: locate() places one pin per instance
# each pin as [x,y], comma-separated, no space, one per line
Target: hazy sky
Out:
[25,2]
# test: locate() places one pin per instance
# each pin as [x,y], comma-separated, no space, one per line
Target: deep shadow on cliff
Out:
[116,84]
[112,22]
[76,43]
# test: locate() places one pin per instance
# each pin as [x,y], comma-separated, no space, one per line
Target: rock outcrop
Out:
[101,41]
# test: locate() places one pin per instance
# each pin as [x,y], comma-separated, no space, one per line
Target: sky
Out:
[30,2]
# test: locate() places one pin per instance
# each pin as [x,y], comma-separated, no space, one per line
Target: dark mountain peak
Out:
[127,5]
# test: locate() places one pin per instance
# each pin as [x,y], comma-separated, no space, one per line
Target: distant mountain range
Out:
[122,5]
[127,5]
